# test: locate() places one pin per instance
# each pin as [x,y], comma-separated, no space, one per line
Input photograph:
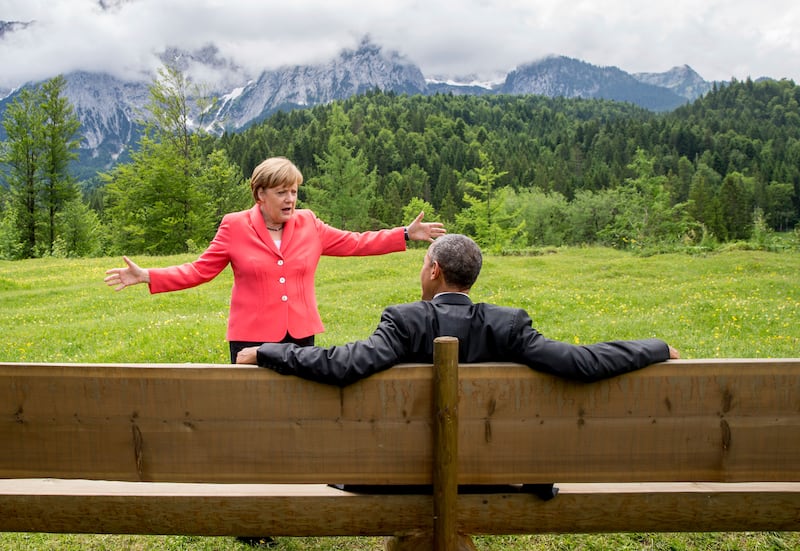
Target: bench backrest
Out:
[686,420]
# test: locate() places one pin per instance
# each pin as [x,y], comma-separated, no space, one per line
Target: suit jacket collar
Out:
[257,221]
[452,298]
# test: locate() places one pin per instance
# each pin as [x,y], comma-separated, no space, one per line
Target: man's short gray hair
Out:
[459,258]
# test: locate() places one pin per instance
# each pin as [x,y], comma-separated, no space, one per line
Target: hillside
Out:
[746,130]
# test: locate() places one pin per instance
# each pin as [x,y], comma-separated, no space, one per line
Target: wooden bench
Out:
[687,445]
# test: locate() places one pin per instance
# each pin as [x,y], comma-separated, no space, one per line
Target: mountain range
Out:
[110,109]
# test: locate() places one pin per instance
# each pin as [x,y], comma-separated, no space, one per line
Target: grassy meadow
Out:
[728,304]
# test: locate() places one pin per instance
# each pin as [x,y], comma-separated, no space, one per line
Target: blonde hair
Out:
[274,172]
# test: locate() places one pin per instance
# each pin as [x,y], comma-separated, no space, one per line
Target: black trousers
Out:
[236,346]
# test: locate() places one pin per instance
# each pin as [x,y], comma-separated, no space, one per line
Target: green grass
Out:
[730,304]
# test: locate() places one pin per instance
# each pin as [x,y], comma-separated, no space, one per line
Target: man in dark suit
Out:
[486,332]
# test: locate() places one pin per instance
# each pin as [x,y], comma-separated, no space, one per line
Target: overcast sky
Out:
[719,39]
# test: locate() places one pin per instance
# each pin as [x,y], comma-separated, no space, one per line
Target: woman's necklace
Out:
[279,228]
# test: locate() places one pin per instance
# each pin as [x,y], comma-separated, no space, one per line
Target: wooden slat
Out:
[81,506]
[638,507]
[685,420]
[212,424]
[692,420]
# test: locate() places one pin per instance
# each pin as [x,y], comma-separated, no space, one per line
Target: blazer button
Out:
[280,262]
[284,298]
[282,280]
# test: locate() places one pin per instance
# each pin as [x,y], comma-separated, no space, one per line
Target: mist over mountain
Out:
[111,110]
[8,27]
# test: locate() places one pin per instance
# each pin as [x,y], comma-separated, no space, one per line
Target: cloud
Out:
[718,38]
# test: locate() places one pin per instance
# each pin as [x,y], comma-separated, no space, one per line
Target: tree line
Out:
[515,172]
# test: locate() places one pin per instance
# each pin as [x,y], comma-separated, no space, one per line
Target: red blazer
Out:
[273,290]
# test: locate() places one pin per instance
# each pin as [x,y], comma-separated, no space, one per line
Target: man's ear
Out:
[436,270]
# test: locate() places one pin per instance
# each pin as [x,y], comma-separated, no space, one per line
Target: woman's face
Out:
[277,203]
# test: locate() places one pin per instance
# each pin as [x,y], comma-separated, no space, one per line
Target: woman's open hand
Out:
[425,231]
[119,278]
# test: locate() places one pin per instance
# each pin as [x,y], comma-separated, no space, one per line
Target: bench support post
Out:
[445,461]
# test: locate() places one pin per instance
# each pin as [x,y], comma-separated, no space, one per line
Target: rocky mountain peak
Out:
[559,76]
[352,72]
[683,80]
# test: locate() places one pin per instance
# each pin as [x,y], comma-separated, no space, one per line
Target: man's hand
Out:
[247,355]
[674,354]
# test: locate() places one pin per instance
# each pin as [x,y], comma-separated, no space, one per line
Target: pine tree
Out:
[22,152]
[343,193]
[58,150]
[486,218]
[41,127]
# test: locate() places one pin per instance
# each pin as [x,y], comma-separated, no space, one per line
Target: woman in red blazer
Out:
[273,250]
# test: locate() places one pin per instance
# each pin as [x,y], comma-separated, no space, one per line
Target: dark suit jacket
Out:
[486,332]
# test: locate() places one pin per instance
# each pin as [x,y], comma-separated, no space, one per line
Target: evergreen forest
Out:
[517,173]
